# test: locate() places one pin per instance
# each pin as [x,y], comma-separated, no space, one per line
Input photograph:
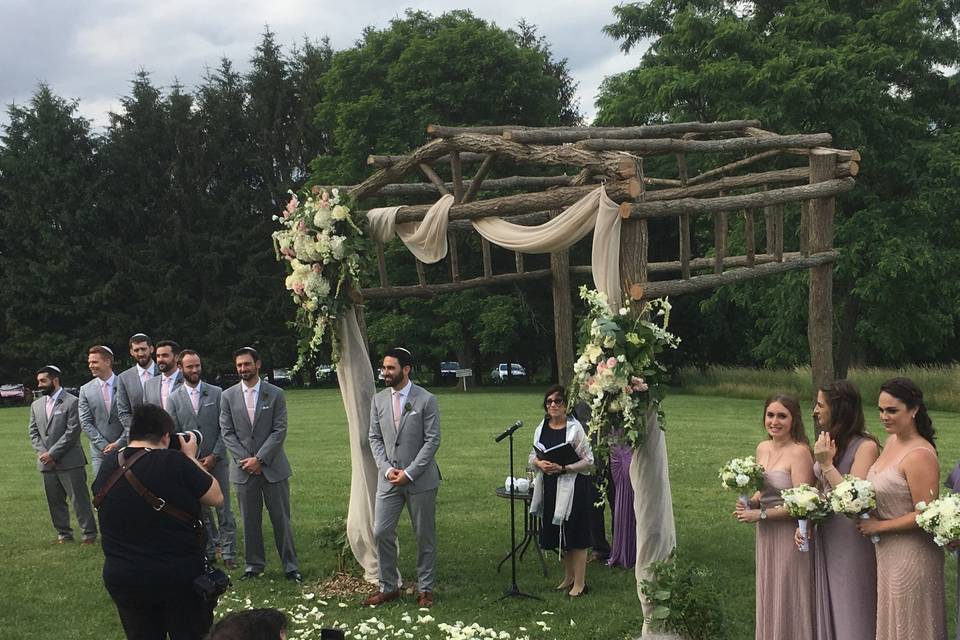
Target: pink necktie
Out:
[165,391]
[396,410]
[105,392]
[195,399]
[49,406]
[251,403]
[144,377]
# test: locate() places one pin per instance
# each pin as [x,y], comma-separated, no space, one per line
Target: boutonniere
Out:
[407,408]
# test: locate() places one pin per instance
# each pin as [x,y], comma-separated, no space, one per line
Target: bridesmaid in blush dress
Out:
[910,587]
[784,575]
[845,567]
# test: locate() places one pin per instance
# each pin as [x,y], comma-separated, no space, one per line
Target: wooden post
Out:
[684,245]
[421,274]
[820,315]
[719,238]
[454,257]
[456,171]
[519,259]
[562,315]
[382,265]
[487,262]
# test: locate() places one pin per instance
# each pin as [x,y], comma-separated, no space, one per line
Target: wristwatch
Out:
[763,512]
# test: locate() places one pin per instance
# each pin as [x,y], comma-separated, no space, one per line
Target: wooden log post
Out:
[748,235]
[382,265]
[685,246]
[487,261]
[562,315]
[454,257]
[820,316]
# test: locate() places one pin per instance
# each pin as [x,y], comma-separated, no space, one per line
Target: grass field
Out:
[52,591]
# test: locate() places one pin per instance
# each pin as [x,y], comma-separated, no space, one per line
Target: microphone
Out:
[516,425]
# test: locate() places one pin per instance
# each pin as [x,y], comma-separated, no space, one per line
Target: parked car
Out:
[282,377]
[449,370]
[15,394]
[500,374]
[326,373]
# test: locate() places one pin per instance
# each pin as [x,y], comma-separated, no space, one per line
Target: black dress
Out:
[576,528]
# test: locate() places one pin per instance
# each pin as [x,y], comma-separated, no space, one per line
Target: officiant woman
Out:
[562,494]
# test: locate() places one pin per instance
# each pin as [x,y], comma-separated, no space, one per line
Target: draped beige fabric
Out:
[427,240]
[356,389]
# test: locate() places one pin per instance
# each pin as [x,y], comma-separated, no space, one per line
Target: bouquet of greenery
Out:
[805,503]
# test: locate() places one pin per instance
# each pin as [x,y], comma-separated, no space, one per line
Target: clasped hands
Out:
[47,459]
[745,515]
[397,477]
[252,466]
[549,468]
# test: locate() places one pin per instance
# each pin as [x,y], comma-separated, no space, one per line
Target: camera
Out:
[185,436]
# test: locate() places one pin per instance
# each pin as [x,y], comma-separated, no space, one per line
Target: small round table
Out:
[531,528]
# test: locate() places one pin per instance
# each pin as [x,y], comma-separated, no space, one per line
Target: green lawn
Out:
[54,591]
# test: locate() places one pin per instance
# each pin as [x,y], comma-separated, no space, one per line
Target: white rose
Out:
[339,212]
[742,480]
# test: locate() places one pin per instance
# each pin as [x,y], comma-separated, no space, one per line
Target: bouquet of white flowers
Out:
[743,474]
[854,498]
[941,518]
[805,503]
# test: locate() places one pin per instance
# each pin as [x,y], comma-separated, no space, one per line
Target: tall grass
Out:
[940,383]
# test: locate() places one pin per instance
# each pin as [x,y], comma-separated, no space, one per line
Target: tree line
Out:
[161,222]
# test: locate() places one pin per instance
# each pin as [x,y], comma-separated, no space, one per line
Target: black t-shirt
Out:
[144,546]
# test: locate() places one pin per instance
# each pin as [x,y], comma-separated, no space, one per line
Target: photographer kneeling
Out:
[152,534]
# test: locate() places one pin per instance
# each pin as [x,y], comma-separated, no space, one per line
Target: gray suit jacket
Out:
[101,427]
[263,439]
[130,394]
[151,390]
[206,420]
[60,436]
[413,445]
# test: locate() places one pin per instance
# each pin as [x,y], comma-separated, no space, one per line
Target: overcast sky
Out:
[89,50]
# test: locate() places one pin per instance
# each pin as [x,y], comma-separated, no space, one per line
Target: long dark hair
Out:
[791,404]
[846,415]
[906,391]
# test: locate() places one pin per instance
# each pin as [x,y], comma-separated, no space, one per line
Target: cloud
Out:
[91,50]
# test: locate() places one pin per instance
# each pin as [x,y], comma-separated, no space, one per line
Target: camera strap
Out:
[158,504]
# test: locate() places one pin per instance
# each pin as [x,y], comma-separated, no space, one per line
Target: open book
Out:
[562,454]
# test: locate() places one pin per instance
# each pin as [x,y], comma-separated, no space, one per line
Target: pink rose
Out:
[601,367]
[611,362]
[317,267]
[291,206]
[298,288]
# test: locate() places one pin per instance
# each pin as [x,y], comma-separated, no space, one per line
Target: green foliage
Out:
[332,537]
[875,75]
[686,600]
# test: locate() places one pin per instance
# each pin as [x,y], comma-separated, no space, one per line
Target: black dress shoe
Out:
[247,575]
[294,576]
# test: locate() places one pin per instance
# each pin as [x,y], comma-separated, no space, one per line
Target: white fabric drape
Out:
[427,240]
[355,378]
[652,504]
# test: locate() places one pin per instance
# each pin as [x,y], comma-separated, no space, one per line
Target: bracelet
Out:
[827,470]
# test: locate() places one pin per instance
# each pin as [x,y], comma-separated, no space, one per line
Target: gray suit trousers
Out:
[251,496]
[422,507]
[223,532]
[96,459]
[73,483]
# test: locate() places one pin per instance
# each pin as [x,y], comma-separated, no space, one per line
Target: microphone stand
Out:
[514,590]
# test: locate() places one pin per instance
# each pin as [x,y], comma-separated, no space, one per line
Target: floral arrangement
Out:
[617,372]
[743,474]
[805,503]
[941,518]
[323,246]
[854,498]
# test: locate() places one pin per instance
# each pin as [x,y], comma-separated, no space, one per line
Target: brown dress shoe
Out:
[425,599]
[383,597]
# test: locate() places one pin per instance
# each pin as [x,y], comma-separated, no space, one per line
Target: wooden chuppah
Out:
[746,180]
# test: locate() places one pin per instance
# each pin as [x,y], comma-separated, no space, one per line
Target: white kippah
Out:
[50,366]
[103,346]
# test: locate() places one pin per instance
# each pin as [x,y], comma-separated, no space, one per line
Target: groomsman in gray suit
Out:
[195,405]
[99,418]
[55,436]
[404,438]
[130,383]
[253,425]
[157,390]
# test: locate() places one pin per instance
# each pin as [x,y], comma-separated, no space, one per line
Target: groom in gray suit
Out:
[99,417]
[253,425]
[55,436]
[404,438]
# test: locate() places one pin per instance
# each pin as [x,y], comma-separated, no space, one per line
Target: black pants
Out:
[152,612]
